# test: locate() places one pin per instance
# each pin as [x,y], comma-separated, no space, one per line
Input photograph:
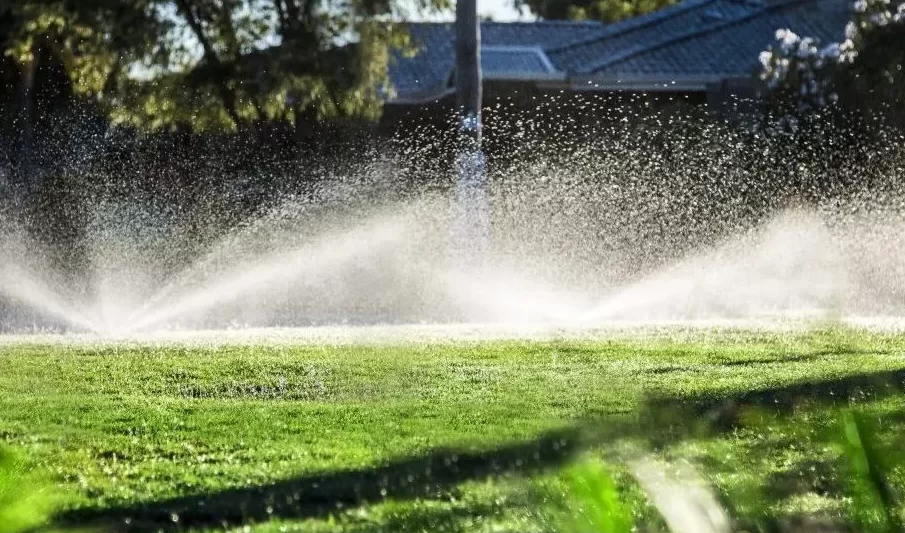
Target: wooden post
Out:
[471,218]
[468,73]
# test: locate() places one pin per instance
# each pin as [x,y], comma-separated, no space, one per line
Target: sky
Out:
[501,10]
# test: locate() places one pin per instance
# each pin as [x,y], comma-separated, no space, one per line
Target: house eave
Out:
[582,83]
[527,77]
[421,98]
[537,78]
[656,83]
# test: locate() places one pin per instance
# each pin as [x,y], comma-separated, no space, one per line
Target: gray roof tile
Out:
[513,59]
[429,69]
[692,39]
[730,49]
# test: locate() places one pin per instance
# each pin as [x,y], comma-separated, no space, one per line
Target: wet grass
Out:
[457,437]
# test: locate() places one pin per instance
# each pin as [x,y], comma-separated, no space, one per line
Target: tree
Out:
[187,65]
[264,61]
[603,10]
[54,52]
[213,64]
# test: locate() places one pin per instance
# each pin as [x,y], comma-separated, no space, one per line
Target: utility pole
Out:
[471,208]
[468,73]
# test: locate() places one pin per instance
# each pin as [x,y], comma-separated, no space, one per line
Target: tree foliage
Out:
[213,64]
[93,40]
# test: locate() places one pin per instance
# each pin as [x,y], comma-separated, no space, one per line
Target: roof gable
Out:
[727,47]
[690,43]
[508,50]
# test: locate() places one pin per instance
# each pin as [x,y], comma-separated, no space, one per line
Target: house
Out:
[704,50]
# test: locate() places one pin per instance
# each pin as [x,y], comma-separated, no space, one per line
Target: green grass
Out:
[407,438]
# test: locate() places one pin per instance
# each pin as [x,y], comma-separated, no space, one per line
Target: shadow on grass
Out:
[435,519]
[315,496]
[723,412]
[660,422]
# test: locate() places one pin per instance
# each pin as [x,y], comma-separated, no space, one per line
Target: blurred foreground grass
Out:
[789,431]
[27,498]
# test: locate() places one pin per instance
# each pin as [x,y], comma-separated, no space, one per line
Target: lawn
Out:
[457,436]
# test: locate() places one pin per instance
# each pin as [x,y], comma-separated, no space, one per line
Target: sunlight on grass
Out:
[757,417]
[27,499]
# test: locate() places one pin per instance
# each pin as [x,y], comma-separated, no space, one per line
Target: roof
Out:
[508,50]
[515,60]
[684,46]
[705,39]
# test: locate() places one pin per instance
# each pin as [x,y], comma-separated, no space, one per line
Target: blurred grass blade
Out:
[26,501]
[591,502]
[684,501]
[873,503]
